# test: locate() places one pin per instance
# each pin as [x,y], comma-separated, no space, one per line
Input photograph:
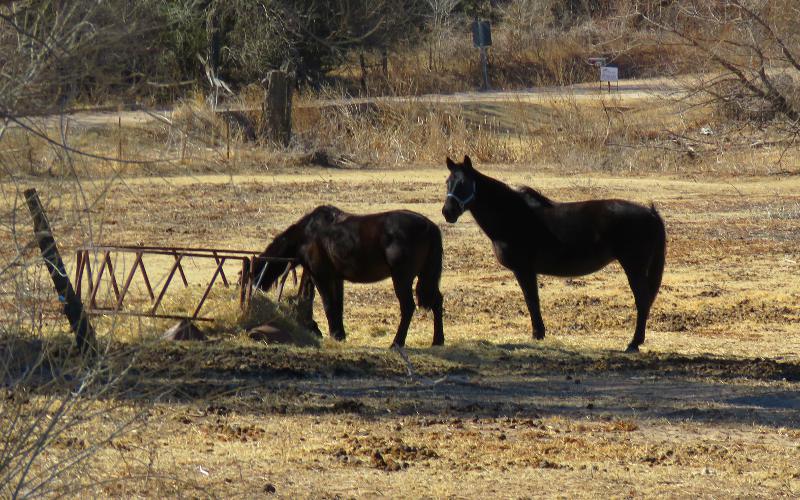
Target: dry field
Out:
[709,408]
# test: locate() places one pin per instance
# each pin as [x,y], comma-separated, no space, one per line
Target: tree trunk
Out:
[278,108]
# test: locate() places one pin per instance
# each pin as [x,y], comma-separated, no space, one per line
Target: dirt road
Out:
[631,90]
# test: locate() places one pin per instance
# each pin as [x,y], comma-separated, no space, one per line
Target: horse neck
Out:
[286,249]
[497,207]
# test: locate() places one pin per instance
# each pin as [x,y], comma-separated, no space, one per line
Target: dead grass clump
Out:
[284,315]
[230,321]
[386,134]
[196,117]
[526,59]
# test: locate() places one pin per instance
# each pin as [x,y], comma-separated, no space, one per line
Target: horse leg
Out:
[402,288]
[430,297]
[530,290]
[643,297]
[434,303]
[305,303]
[438,328]
[332,292]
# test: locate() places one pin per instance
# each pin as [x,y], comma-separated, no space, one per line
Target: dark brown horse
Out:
[334,246]
[533,235]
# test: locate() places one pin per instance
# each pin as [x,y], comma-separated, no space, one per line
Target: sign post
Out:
[481,39]
[609,74]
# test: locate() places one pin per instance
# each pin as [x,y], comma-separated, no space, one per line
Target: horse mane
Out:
[325,213]
[530,197]
[534,198]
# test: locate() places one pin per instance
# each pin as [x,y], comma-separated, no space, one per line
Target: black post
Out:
[482,38]
[485,68]
[73,308]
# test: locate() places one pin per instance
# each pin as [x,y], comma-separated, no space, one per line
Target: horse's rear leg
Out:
[405,295]
[644,269]
[438,328]
[642,295]
[431,298]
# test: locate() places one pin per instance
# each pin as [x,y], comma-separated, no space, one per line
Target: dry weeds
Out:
[708,409]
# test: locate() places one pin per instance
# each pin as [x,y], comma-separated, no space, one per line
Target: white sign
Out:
[609,74]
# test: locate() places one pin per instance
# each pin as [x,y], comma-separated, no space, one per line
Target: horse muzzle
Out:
[451,211]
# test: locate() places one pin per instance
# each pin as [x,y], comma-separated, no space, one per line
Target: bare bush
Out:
[50,393]
[748,52]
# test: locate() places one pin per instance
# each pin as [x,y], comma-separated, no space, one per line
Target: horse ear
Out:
[467,163]
[450,164]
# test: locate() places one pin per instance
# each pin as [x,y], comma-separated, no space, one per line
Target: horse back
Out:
[585,236]
[365,248]
[580,222]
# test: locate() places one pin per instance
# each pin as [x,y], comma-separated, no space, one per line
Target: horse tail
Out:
[656,269]
[428,294]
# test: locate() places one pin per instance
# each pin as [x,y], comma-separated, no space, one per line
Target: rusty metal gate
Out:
[105,256]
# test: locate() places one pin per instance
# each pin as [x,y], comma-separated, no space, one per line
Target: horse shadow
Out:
[469,380]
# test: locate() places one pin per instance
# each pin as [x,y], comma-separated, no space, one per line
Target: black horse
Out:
[334,246]
[532,234]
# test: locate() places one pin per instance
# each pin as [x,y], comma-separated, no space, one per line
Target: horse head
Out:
[283,246]
[287,244]
[460,189]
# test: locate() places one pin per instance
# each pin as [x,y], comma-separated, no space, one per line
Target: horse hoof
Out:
[632,349]
[538,336]
[338,338]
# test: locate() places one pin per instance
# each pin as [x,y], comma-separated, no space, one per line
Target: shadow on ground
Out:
[468,380]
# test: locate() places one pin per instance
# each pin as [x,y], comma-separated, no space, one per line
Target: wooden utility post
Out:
[73,308]
[278,108]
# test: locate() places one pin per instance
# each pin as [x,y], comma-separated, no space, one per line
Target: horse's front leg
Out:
[305,303]
[530,290]
[332,292]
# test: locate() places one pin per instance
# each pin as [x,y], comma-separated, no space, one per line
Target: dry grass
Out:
[708,409]
[575,131]
[676,420]
[529,49]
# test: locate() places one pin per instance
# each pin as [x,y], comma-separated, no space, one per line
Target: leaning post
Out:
[73,308]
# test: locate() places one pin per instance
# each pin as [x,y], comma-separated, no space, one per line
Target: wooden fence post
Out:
[228,139]
[73,308]
[278,108]
[119,141]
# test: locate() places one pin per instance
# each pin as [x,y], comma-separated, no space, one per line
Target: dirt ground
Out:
[709,408]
